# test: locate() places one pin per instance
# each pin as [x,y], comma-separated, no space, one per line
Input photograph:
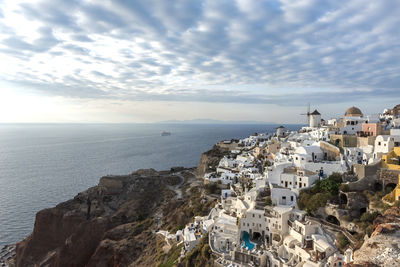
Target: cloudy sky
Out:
[153,60]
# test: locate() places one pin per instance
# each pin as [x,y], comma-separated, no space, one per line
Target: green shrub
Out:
[369,230]
[369,217]
[200,255]
[172,256]
[212,188]
[330,185]
[342,241]
[311,202]
[268,201]
[206,251]
[177,228]
[318,195]
[337,177]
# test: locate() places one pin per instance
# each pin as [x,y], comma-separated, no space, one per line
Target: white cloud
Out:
[177,51]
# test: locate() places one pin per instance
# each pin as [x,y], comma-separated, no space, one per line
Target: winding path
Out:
[176,188]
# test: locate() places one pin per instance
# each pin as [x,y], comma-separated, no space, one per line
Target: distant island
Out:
[212,121]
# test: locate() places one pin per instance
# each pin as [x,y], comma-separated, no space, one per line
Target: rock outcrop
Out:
[383,247]
[210,159]
[106,225]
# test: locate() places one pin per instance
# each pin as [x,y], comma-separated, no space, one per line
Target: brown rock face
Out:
[114,231]
[382,248]
[389,222]
[210,159]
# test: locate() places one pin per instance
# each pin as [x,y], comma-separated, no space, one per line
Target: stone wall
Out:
[387,176]
[332,152]
[343,140]
[365,141]
[366,170]
[367,176]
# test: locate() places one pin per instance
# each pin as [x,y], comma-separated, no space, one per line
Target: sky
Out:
[155,60]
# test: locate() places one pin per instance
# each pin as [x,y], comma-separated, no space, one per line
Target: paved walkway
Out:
[343,230]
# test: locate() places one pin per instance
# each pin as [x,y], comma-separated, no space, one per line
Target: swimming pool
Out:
[246,241]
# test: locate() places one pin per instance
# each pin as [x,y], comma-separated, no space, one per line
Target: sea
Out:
[42,165]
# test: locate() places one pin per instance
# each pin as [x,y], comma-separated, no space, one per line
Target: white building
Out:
[352,125]
[255,223]
[384,144]
[282,196]
[297,179]
[359,155]
[225,233]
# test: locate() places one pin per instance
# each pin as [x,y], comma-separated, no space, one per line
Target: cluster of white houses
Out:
[257,221]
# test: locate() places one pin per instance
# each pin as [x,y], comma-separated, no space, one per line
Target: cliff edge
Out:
[210,159]
[107,225]
[382,248]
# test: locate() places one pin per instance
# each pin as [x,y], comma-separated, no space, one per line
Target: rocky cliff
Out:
[210,159]
[111,224]
[383,247]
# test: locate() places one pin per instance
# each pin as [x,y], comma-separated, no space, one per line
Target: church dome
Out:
[353,112]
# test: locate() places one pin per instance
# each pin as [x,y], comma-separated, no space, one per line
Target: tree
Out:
[330,185]
[336,177]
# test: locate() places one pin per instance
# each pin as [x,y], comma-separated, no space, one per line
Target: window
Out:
[291,198]
[253,215]
[379,143]
[259,216]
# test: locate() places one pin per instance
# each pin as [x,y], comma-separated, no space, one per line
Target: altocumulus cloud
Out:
[183,50]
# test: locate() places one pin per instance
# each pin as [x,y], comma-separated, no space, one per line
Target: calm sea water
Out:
[44,164]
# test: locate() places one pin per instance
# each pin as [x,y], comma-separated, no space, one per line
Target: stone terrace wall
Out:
[387,176]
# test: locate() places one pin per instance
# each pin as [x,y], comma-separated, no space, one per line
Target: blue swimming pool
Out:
[246,241]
